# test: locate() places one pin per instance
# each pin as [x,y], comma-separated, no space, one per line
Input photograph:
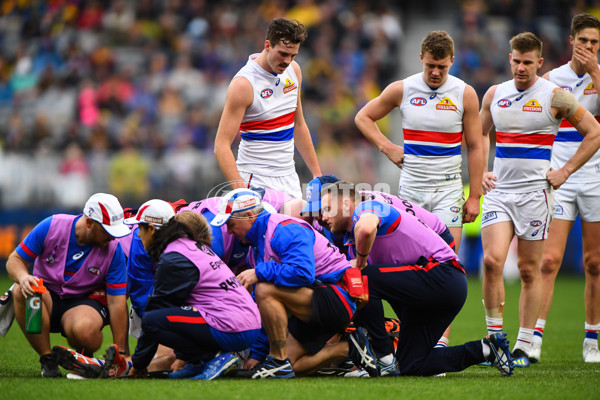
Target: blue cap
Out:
[313,192]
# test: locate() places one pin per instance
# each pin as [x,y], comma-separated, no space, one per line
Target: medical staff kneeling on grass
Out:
[83,268]
[296,271]
[418,274]
[198,308]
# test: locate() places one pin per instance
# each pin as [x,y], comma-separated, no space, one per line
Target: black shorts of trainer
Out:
[61,306]
[331,314]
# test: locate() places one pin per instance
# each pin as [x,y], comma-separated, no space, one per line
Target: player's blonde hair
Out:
[525,42]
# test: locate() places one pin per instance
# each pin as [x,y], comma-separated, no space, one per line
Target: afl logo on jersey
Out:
[266,93]
[536,222]
[418,101]
[567,88]
[94,271]
[504,103]
[455,209]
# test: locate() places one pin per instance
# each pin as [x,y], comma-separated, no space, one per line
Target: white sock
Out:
[538,333]
[494,325]
[524,339]
[387,359]
[591,335]
[486,349]
[442,342]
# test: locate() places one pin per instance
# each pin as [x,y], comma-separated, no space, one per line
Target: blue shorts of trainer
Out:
[426,298]
[331,313]
[185,331]
[448,238]
[61,306]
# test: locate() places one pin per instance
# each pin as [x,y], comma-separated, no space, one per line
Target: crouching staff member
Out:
[297,272]
[198,307]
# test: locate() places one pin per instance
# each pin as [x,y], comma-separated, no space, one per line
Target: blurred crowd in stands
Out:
[124,96]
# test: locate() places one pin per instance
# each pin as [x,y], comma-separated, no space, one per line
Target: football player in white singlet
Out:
[263,104]
[580,194]
[526,113]
[438,110]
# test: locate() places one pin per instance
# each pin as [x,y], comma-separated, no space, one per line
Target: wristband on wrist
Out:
[362,255]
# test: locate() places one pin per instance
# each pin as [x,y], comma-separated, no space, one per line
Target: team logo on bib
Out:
[532,106]
[446,104]
[590,89]
[94,271]
[266,93]
[289,86]
[504,103]
[418,101]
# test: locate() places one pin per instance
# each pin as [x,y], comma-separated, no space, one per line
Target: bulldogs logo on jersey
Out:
[504,103]
[532,106]
[446,104]
[590,89]
[567,88]
[418,101]
[266,93]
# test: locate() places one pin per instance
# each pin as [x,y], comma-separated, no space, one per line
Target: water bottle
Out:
[33,309]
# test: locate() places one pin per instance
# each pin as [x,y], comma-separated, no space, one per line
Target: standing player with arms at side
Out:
[263,103]
[526,113]
[580,194]
[438,110]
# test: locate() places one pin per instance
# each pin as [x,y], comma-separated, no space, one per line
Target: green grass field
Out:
[562,374]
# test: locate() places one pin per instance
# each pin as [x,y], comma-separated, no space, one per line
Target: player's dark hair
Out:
[582,21]
[287,31]
[525,42]
[185,224]
[439,44]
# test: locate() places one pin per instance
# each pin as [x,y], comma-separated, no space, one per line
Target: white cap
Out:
[106,209]
[235,201]
[156,212]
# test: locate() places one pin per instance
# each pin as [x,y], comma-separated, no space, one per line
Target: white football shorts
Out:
[289,184]
[573,199]
[530,212]
[447,204]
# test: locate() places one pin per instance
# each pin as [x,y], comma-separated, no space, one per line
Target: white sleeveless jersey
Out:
[568,139]
[267,129]
[432,122]
[525,131]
